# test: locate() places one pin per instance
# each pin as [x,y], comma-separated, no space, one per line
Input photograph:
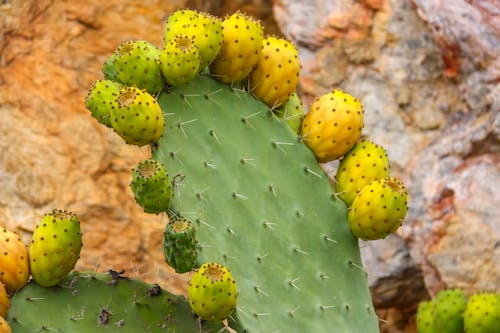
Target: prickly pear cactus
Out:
[89,302]
[264,208]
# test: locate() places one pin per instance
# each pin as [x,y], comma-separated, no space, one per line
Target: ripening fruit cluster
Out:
[52,254]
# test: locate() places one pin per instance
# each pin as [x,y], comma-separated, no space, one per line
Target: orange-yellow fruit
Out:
[241,48]
[276,75]
[333,125]
[4,301]
[14,261]
[4,326]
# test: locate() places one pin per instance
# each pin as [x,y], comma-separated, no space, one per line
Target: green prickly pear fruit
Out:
[180,60]
[378,209]
[205,29]
[482,313]
[151,186]
[212,292]
[240,50]
[333,125]
[138,119]
[448,309]
[292,111]
[180,245]
[4,301]
[426,318]
[4,326]
[14,261]
[137,64]
[101,98]
[276,75]
[55,247]
[364,163]
[108,68]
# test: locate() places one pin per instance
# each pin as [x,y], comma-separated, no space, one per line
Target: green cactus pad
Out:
[90,302]
[264,208]
[55,247]
[180,246]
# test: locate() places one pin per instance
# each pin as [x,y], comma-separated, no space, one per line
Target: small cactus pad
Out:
[212,292]
[101,98]
[4,301]
[4,326]
[180,245]
[292,111]
[276,75]
[137,63]
[138,118]
[151,186]
[14,262]
[426,318]
[264,208]
[364,163]
[378,209]
[482,313]
[333,125]
[180,60]
[448,309]
[102,303]
[241,48]
[55,247]
[205,29]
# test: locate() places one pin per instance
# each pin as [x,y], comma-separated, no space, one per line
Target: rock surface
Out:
[427,72]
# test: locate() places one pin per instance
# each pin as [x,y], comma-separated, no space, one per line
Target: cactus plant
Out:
[90,302]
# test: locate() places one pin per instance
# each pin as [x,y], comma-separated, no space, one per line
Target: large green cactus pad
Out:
[89,302]
[264,208]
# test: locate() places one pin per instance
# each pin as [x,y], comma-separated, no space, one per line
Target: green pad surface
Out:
[264,208]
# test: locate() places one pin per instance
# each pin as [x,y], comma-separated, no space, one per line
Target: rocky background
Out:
[427,72]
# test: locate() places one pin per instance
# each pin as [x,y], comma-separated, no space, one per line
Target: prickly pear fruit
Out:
[151,186]
[205,29]
[101,98]
[180,60]
[448,309]
[4,301]
[212,292]
[14,261]
[108,68]
[482,313]
[55,247]
[4,326]
[138,119]
[240,50]
[276,75]
[292,112]
[332,125]
[180,245]
[137,63]
[425,318]
[378,209]
[364,163]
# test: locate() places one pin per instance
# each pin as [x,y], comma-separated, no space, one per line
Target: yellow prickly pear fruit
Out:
[333,125]
[240,50]
[4,301]
[4,326]
[180,60]
[14,260]
[276,75]
[212,292]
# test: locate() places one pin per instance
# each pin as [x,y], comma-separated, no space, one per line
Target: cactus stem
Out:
[328,239]
[260,291]
[200,221]
[237,195]
[297,250]
[309,171]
